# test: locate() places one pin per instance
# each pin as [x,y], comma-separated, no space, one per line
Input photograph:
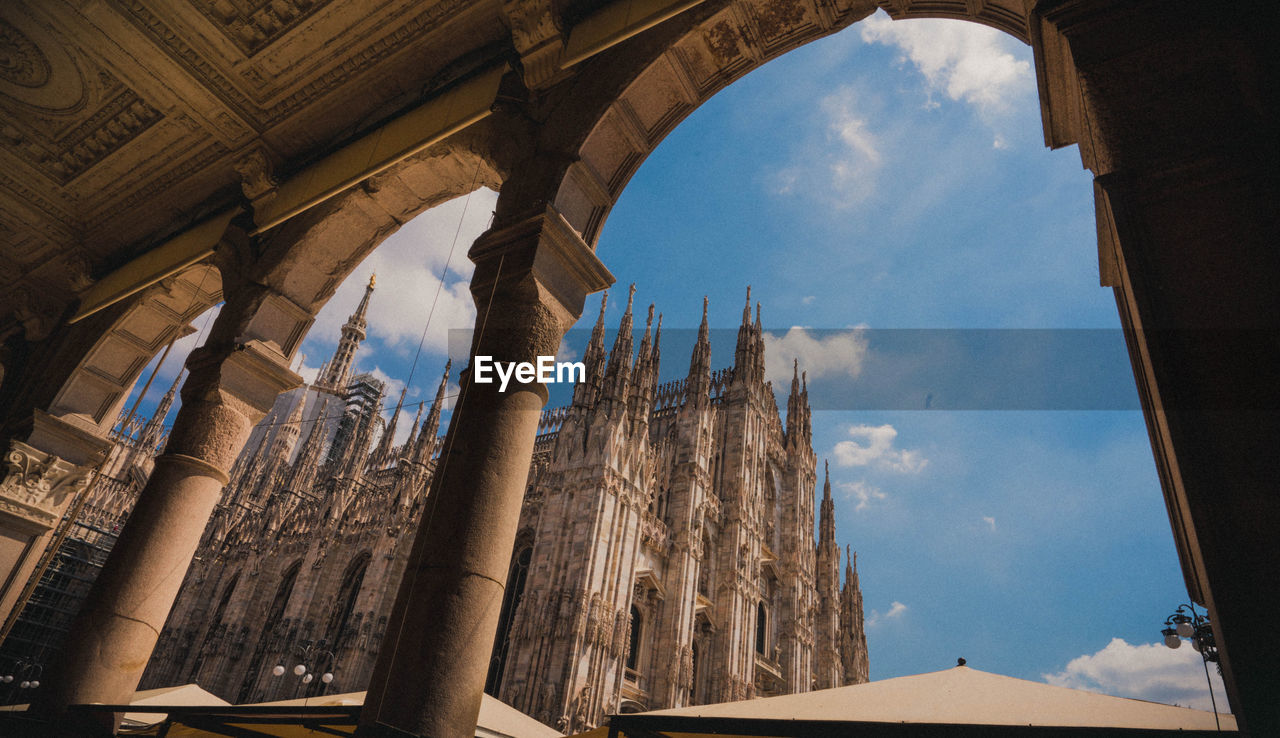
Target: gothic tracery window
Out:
[274,616]
[516,577]
[633,641]
[762,629]
[345,603]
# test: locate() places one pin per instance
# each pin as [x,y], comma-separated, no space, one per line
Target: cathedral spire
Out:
[413,430]
[618,373]
[336,372]
[150,436]
[385,444]
[698,383]
[827,522]
[644,375]
[793,406]
[748,357]
[657,347]
[854,665]
[431,426]
[308,460]
[586,393]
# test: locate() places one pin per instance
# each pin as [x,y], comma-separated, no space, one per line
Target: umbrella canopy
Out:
[191,711]
[956,701]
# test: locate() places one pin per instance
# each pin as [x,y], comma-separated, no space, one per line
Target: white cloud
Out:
[834,355]
[872,446]
[966,61]
[895,612]
[861,493]
[843,167]
[391,392]
[808,299]
[566,352]
[1148,671]
[989,521]
[410,266]
[306,371]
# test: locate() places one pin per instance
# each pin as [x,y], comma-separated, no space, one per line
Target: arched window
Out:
[214,624]
[274,615]
[762,629]
[517,574]
[633,642]
[697,664]
[345,602]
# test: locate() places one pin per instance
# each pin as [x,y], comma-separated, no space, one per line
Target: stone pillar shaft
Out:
[228,390]
[529,286]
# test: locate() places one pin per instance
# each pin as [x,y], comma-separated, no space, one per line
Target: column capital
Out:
[544,247]
[36,487]
[253,372]
[227,391]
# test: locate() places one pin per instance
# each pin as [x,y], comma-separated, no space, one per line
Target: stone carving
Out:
[686,668]
[37,484]
[535,33]
[256,172]
[21,61]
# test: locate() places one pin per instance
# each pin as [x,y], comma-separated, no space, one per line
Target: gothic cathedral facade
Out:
[666,553]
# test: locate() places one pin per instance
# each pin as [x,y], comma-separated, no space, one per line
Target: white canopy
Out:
[956,696]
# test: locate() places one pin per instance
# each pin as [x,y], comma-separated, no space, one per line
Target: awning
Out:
[955,702]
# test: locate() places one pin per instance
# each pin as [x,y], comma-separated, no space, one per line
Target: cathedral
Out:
[666,553]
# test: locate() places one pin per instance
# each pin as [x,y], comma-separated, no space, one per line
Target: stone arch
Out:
[307,257]
[638,105]
[85,370]
[96,389]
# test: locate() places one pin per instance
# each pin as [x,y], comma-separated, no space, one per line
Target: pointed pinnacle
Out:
[649,321]
[704,308]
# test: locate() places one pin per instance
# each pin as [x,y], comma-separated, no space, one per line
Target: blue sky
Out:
[891,177]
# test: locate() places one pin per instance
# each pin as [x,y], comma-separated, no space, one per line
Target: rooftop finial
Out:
[373,279]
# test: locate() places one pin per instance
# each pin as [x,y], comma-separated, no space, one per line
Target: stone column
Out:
[230,387]
[530,283]
[44,474]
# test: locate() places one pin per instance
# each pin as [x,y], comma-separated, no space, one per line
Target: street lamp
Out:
[309,652]
[1185,622]
[27,673]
